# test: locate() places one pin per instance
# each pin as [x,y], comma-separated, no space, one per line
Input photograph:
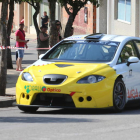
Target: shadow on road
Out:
[69,118]
[43,120]
[110,111]
[11,80]
[26,62]
[14,53]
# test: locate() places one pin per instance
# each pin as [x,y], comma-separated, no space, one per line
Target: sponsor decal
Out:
[53,90]
[30,88]
[44,88]
[133,94]
[72,93]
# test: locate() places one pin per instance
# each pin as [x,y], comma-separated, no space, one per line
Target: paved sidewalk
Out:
[6,101]
[12,75]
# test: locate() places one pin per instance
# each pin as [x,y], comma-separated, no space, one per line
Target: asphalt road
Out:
[60,124]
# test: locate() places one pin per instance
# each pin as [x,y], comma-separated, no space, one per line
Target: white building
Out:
[119,17]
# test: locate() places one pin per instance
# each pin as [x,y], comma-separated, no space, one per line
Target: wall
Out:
[80,27]
[101,17]
[26,16]
[116,26]
[16,17]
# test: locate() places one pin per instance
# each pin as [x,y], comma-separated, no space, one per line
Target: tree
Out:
[53,32]
[5,40]
[9,27]
[72,7]
[3,34]
[36,6]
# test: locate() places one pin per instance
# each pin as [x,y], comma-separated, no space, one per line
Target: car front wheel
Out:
[119,94]
[28,109]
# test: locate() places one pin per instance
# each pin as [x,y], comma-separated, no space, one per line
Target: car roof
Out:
[102,37]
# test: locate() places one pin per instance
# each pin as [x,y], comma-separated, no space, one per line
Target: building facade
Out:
[121,17]
[85,21]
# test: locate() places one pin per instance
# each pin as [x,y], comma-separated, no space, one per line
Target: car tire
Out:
[119,95]
[28,109]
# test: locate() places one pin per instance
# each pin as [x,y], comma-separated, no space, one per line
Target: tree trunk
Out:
[70,21]
[3,67]
[52,33]
[37,8]
[9,27]
[68,26]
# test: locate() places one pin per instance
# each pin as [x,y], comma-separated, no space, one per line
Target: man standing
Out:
[45,19]
[20,43]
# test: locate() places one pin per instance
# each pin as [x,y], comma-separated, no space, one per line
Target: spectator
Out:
[58,27]
[45,19]
[20,43]
[42,40]
[22,20]
[55,35]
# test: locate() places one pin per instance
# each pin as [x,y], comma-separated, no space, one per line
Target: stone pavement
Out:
[12,75]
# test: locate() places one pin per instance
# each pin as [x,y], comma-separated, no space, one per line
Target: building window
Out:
[124,10]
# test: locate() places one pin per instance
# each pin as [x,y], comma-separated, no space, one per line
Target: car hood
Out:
[65,68]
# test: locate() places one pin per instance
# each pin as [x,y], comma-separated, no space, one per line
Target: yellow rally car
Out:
[87,71]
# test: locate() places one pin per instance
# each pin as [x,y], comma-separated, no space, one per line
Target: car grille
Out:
[54,79]
[53,100]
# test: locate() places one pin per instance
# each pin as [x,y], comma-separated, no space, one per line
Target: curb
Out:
[7,102]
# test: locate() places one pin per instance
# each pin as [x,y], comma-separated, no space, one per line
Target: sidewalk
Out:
[12,74]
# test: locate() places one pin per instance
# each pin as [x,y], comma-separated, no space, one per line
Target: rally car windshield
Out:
[102,51]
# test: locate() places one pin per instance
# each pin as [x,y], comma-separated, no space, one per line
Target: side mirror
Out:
[40,56]
[132,59]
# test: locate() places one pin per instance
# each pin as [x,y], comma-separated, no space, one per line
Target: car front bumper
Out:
[66,95]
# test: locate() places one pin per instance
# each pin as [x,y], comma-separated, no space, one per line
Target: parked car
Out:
[85,71]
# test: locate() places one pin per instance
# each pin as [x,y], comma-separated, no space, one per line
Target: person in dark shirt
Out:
[42,40]
[45,19]
[58,27]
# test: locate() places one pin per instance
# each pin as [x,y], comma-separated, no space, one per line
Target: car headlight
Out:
[27,77]
[91,79]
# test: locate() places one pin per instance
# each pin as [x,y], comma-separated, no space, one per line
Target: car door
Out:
[131,73]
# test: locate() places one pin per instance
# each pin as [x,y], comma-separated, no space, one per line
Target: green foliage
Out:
[29,1]
[80,3]
[19,1]
[52,0]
